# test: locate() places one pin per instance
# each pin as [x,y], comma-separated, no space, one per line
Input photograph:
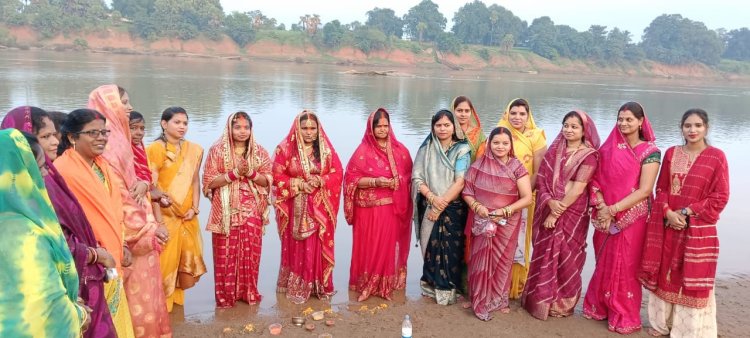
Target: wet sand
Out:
[379,318]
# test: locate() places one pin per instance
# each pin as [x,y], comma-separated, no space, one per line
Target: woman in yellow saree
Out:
[175,164]
[529,146]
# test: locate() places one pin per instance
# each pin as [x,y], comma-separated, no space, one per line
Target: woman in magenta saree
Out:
[76,228]
[377,203]
[497,188]
[622,188]
[307,178]
[561,219]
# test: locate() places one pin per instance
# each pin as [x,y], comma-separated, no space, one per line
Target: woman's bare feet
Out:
[654,333]
[505,310]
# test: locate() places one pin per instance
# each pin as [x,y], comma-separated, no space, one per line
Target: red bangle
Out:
[252,177]
[232,176]
[665,209]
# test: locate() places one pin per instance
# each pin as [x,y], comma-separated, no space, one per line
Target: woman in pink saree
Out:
[143,282]
[561,220]
[622,193]
[497,188]
[377,203]
[307,178]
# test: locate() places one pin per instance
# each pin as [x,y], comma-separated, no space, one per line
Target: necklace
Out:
[239,151]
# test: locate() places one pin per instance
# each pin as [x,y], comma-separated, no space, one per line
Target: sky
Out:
[631,15]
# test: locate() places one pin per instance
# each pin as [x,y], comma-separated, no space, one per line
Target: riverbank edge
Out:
[113,41]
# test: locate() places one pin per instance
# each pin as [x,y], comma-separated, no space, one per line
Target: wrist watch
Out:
[684,212]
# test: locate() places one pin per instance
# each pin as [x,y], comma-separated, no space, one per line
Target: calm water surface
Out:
[273,93]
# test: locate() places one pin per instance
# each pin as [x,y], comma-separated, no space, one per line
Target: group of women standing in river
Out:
[479,205]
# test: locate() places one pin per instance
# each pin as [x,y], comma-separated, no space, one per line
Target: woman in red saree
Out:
[175,165]
[143,283]
[622,189]
[497,187]
[561,219]
[682,247]
[307,178]
[236,178]
[377,203]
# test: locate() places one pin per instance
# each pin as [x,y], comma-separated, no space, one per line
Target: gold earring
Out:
[74,146]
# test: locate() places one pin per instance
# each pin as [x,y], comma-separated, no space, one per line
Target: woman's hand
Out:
[189,215]
[482,211]
[675,220]
[549,222]
[603,215]
[165,201]
[87,320]
[243,168]
[138,191]
[105,258]
[433,214]
[162,234]
[556,207]
[127,257]
[439,202]
[384,182]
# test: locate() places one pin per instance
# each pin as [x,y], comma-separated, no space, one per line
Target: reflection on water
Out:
[273,93]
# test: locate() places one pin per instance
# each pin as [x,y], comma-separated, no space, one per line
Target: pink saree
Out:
[493,245]
[143,283]
[614,293]
[554,283]
[380,217]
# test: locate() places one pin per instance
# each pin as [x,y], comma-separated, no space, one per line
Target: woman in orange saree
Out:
[236,179]
[175,166]
[90,179]
[529,145]
[468,119]
[307,178]
[143,283]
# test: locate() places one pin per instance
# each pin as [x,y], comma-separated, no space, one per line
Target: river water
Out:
[273,93]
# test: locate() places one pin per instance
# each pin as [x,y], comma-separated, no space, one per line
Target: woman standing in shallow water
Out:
[307,178]
[175,166]
[682,248]
[622,192]
[236,179]
[377,204]
[440,213]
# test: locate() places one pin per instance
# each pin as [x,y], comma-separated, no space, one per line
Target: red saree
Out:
[143,283]
[679,266]
[239,213]
[306,222]
[492,184]
[381,217]
[554,283]
[614,292]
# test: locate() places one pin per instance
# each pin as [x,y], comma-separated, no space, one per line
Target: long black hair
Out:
[74,124]
[702,114]
[166,116]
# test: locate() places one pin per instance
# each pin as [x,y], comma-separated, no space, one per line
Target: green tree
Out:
[11,12]
[424,21]
[507,43]
[239,27]
[448,42]
[542,35]
[260,21]
[333,34]
[616,44]
[310,23]
[571,43]
[133,9]
[504,22]
[738,44]
[186,19]
[368,39]
[386,21]
[598,41]
[472,25]
[673,39]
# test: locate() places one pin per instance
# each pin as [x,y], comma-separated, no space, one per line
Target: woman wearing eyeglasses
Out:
[87,174]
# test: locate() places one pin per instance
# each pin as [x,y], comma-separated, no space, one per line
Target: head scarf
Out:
[226,200]
[370,160]
[525,142]
[19,118]
[26,213]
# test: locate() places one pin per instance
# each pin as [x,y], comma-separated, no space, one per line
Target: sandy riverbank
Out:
[379,318]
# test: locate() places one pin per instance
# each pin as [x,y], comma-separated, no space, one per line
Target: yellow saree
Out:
[182,258]
[525,142]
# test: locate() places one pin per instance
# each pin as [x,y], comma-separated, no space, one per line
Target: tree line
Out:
[670,38]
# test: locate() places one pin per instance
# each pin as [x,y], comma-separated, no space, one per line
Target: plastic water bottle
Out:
[406,327]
